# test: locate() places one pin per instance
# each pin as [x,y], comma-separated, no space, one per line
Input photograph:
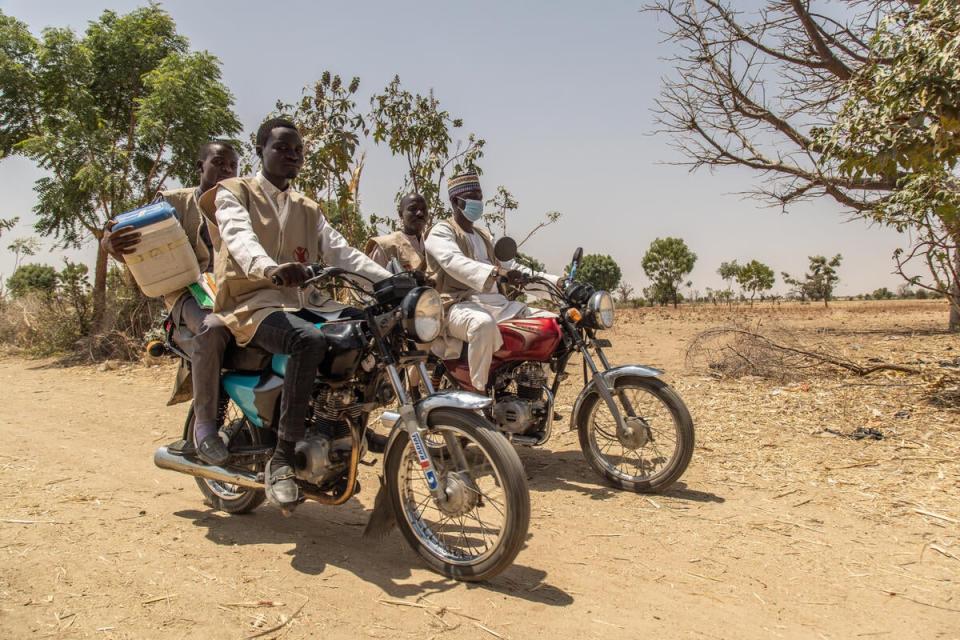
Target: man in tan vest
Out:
[267,231]
[405,245]
[460,258]
[196,330]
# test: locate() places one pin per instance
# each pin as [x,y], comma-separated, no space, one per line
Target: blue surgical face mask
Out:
[472,209]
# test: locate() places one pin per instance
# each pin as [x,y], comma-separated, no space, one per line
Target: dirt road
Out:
[779,529]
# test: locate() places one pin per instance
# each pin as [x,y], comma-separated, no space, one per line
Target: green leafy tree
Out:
[755,278]
[819,282]
[110,116]
[667,263]
[7,223]
[23,248]
[333,131]
[728,271]
[419,131]
[601,271]
[73,285]
[28,278]
[798,287]
[901,124]
[882,294]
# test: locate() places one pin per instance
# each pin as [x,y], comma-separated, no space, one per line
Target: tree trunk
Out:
[954,296]
[955,309]
[99,291]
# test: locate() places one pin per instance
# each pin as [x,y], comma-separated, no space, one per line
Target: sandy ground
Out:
[779,528]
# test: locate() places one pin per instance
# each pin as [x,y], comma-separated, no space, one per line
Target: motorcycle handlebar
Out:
[314,271]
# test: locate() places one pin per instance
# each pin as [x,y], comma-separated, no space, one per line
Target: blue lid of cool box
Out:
[144,216]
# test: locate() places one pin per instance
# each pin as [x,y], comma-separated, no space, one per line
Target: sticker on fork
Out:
[425,464]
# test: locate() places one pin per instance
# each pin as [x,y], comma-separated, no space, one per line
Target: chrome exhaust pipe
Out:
[164,459]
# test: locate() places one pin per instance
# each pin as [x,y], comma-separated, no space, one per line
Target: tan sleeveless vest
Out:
[452,290]
[187,204]
[397,245]
[241,301]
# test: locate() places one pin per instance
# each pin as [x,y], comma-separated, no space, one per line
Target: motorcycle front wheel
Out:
[479,527]
[660,444]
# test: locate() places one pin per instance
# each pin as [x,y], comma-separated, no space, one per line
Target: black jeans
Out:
[204,338]
[293,334]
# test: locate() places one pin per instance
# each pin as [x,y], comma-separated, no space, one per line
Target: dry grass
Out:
[782,526]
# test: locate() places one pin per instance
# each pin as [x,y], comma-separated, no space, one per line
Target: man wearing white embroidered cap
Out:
[460,258]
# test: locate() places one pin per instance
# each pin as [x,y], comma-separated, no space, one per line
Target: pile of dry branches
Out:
[778,354]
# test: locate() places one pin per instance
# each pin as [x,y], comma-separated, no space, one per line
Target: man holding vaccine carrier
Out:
[197,331]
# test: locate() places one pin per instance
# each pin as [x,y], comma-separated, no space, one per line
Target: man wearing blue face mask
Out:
[461,260]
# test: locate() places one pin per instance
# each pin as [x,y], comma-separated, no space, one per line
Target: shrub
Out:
[30,278]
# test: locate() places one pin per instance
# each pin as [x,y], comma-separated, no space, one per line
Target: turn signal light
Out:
[574,315]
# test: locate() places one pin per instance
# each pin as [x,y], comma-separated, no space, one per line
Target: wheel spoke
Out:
[634,465]
[470,525]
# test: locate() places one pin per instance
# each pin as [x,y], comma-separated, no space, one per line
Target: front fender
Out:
[454,399]
[610,376]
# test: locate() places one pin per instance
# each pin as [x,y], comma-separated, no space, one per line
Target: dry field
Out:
[780,529]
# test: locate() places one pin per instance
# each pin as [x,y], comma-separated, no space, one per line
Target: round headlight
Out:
[601,309]
[423,314]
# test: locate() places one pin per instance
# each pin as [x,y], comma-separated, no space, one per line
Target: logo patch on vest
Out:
[300,253]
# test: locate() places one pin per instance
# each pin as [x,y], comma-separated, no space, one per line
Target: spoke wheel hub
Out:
[634,434]
[461,496]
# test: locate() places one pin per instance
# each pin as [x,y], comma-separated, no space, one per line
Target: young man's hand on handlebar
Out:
[289,274]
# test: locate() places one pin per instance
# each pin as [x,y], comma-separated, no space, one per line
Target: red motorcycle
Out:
[634,429]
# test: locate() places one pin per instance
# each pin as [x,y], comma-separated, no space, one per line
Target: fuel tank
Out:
[524,340]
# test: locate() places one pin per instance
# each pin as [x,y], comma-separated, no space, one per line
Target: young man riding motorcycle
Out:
[196,330]
[460,257]
[405,245]
[267,235]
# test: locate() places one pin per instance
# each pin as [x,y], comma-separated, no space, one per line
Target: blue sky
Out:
[563,93]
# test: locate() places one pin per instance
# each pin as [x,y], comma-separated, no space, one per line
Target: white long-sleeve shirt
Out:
[237,233]
[480,276]
[442,245]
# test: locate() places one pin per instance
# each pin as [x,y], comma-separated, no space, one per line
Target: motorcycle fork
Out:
[599,382]
[620,394]
[410,422]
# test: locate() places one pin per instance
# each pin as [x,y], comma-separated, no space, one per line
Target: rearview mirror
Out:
[505,249]
[577,255]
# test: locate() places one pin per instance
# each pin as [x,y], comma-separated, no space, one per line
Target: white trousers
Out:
[474,321]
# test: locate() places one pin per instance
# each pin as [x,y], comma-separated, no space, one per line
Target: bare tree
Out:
[751,90]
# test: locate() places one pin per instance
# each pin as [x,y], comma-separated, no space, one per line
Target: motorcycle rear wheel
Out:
[494,487]
[222,496]
[656,404]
